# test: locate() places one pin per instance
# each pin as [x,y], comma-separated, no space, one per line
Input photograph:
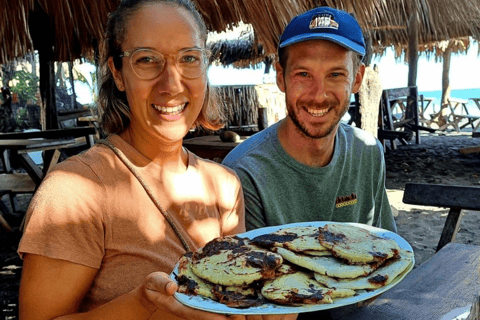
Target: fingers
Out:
[160,283]
[159,290]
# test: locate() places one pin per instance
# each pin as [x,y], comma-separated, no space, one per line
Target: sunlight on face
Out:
[167,106]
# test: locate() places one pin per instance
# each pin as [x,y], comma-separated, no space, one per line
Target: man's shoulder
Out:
[359,138]
[253,145]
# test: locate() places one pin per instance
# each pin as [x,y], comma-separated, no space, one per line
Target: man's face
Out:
[318,80]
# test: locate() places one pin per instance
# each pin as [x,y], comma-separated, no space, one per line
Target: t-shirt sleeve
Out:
[65,219]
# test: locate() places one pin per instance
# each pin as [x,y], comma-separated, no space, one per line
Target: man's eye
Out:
[303,74]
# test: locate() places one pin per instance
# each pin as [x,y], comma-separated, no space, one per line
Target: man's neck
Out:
[310,152]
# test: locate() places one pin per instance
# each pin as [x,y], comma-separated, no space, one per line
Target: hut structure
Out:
[65,30]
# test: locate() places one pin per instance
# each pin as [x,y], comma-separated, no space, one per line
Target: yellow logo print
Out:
[346,201]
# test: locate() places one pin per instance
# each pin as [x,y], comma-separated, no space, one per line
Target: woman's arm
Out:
[53,289]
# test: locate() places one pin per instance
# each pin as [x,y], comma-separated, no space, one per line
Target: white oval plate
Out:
[206,304]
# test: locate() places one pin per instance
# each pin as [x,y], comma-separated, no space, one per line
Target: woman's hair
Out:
[113,108]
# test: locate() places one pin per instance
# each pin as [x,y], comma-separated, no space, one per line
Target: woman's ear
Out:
[117,75]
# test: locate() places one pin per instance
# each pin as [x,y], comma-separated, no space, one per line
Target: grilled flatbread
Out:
[233,261]
[189,283]
[356,245]
[330,266]
[299,288]
[237,297]
[379,278]
[298,239]
[295,289]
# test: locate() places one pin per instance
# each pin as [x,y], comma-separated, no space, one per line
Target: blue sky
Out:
[464,72]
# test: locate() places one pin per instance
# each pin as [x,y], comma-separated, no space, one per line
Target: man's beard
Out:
[312,135]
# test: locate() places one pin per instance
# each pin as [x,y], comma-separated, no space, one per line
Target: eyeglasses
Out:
[148,64]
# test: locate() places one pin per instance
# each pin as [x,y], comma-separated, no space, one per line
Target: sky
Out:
[464,74]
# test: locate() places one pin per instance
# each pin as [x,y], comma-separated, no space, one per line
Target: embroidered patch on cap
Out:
[323,20]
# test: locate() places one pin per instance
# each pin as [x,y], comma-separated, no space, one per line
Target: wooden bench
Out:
[456,198]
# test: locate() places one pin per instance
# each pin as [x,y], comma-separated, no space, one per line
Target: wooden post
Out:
[445,86]
[412,63]
[412,50]
[43,40]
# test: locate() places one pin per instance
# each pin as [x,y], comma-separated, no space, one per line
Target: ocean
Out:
[463,94]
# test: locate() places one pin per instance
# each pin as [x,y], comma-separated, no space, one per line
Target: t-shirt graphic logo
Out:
[346,200]
[323,20]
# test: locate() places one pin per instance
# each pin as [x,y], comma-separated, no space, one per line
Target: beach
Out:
[436,160]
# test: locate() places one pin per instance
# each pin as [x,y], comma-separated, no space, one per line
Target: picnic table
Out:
[456,116]
[449,280]
[19,145]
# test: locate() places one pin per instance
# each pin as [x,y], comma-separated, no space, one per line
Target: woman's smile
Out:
[170,113]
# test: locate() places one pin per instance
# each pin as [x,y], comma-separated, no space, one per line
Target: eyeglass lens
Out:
[148,64]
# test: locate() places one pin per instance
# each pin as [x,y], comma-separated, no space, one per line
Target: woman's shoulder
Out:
[213,171]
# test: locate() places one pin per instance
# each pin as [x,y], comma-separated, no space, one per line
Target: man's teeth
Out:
[170,110]
[317,113]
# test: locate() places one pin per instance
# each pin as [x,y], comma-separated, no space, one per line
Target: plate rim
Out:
[202,303]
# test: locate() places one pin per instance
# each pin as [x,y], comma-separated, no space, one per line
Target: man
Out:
[310,166]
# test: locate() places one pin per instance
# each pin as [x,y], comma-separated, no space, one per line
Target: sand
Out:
[436,160]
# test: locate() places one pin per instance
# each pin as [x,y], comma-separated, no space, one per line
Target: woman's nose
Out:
[170,79]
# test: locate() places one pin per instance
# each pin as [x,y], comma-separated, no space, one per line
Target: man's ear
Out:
[117,75]
[280,77]
[358,78]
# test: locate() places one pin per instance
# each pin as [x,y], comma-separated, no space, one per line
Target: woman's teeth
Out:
[170,110]
[317,113]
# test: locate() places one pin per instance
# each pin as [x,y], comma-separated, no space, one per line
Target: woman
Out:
[106,227]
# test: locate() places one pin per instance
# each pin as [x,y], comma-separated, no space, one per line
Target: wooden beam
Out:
[446,196]
[412,49]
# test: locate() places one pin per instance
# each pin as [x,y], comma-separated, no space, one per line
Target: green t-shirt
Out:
[280,190]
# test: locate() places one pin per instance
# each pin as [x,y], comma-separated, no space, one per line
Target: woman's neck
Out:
[170,156]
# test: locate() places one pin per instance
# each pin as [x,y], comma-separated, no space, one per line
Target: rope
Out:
[165,213]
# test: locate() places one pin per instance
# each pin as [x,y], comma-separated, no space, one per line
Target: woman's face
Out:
[166,106]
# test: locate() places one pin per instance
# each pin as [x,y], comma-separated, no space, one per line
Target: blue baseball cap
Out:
[327,24]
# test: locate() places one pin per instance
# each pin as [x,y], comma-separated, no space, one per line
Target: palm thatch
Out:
[79,23]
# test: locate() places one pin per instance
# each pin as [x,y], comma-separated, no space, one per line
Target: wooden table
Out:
[50,141]
[449,280]
[211,147]
[22,147]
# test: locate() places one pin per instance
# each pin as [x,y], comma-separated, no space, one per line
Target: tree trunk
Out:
[59,75]
[445,86]
[72,83]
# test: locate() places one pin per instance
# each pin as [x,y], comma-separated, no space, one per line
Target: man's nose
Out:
[318,91]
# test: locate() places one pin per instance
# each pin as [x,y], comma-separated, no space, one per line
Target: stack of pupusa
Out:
[356,258]
[297,265]
[228,270]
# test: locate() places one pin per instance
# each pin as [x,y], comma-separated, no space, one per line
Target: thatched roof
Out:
[78,22]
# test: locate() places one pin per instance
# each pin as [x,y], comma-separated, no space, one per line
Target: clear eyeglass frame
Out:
[147,64]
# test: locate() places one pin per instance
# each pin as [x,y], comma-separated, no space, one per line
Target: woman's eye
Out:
[189,59]
[146,59]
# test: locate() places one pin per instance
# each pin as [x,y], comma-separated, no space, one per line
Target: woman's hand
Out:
[156,294]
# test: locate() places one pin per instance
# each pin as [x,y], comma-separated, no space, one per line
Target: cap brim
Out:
[344,42]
